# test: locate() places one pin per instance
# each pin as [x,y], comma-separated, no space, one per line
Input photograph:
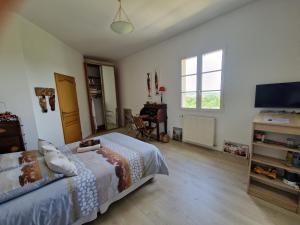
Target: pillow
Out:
[45,146]
[59,163]
[49,148]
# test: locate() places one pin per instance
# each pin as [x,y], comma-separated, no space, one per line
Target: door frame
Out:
[56,77]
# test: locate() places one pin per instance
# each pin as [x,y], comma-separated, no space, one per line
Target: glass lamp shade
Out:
[122,27]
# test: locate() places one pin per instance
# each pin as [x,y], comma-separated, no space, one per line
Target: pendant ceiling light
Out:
[121,23]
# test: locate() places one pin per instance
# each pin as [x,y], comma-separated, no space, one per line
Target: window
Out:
[211,80]
[189,83]
[208,94]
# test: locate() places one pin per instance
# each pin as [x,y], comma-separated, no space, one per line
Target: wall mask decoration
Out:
[156,83]
[43,103]
[42,94]
[149,85]
[52,102]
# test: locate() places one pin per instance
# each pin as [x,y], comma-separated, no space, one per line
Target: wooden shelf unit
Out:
[274,191]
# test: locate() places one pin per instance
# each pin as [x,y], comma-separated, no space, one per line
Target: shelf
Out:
[273,146]
[277,197]
[277,183]
[277,128]
[274,191]
[278,163]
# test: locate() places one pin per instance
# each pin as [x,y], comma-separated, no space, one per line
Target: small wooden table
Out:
[11,139]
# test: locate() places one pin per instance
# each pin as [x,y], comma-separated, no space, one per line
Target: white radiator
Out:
[199,130]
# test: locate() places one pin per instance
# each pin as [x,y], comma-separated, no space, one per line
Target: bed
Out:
[104,176]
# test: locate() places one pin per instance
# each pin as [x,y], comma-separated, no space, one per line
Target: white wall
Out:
[44,55]
[41,55]
[261,43]
[14,86]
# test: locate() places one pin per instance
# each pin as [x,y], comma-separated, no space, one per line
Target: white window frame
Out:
[199,82]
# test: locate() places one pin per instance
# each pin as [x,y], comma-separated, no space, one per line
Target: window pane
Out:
[212,61]
[188,100]
[189,83]
[211,100]
[211,81]
[189,66]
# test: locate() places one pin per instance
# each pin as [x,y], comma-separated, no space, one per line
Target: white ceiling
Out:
[85,24]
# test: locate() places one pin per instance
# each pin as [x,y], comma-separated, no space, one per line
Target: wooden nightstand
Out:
[11,139]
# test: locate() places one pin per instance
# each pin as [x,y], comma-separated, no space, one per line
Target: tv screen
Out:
[281,95]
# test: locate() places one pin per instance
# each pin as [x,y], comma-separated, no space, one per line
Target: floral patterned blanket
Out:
[23,172]
[25,180]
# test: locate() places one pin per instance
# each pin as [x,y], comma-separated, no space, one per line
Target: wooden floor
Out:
[204,187]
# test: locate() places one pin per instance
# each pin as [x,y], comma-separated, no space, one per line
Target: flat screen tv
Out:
[281,95]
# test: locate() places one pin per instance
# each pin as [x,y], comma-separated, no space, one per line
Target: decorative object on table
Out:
[42,93]
[289,158]
[149,85]
[163,137]
[177,134]
[296,159]
[260,136]
[8,116]
[156,83]
[121,23]
[52,102]
[290,142]
[236,149]
[270,173]
[162,89]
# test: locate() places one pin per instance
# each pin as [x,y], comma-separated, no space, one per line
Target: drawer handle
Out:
[2,130]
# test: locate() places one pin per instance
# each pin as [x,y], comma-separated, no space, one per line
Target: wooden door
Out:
[68,104]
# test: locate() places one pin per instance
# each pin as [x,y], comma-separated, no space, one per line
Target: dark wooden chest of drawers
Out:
[11,139]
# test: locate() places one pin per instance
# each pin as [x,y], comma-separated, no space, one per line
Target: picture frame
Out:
[237,149]
[177,134]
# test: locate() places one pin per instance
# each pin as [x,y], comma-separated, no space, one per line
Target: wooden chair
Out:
[141,128]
